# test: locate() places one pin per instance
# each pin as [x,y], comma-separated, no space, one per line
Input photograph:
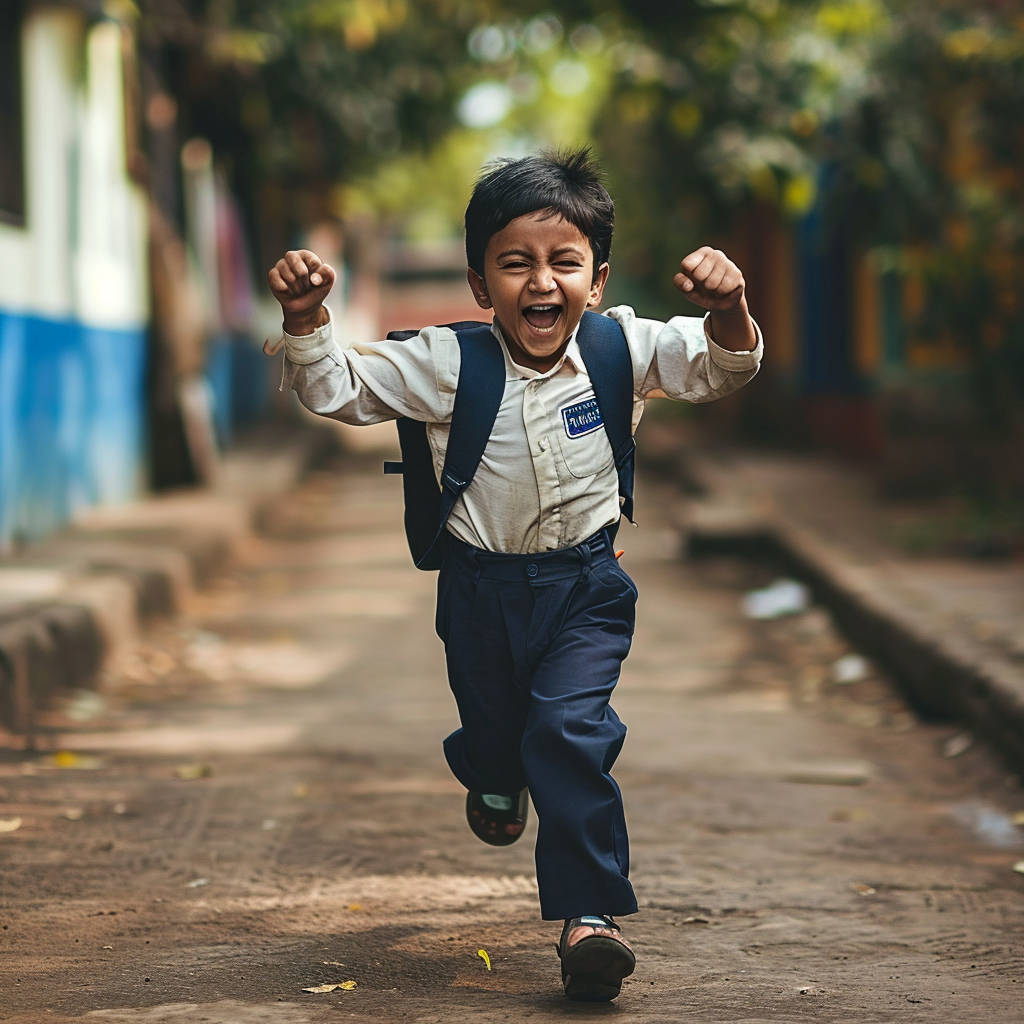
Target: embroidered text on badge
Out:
[582,418]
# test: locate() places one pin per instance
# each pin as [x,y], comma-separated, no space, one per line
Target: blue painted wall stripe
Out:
[72,413]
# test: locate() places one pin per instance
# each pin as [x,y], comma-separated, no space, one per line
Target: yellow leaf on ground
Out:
[343,986]
[10,824]
[482,953]
[69,759]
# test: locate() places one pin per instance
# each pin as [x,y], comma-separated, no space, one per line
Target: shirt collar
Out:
[571,355]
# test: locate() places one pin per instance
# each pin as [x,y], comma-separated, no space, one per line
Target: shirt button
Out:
[532,570]
[543,444]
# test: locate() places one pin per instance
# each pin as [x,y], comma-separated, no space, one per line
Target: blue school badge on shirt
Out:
[582,418]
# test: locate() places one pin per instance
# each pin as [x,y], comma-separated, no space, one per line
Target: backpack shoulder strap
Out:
[606,355]
[477,398]
[459,325]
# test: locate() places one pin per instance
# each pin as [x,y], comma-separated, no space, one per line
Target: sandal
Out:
[593,967]
[497,820]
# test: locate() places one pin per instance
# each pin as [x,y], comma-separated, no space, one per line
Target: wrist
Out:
[733,329]
[306,322]
[738,312]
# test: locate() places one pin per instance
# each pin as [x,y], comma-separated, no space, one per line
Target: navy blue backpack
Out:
[427,505]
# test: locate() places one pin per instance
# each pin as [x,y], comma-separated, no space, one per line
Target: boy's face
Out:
[539,279]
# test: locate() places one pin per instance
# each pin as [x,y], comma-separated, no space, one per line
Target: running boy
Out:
[534,610]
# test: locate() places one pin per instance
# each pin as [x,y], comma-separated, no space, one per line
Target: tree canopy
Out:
[898,118]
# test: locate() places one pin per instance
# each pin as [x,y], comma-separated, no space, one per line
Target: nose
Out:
[542,280]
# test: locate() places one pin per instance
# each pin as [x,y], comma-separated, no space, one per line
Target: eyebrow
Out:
[562,251]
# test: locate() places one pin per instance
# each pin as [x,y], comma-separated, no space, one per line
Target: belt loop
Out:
[587,557]
[474,557]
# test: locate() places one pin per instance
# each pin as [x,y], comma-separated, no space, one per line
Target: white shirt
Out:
[547,479]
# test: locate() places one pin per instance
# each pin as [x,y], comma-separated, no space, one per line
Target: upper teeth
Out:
[543,309]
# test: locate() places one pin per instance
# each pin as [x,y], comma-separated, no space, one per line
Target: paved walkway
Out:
[952,627]
[982,599]
[260,804]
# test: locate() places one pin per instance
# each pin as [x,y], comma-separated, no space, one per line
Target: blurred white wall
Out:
[81,254]
[110,250]
[74,284]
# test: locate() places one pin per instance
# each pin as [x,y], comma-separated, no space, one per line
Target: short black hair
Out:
[567,182]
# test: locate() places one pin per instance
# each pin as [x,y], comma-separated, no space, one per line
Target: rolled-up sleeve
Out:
[375,382]
[681,360]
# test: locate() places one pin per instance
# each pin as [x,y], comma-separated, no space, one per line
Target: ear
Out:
[479,288]
[597,288]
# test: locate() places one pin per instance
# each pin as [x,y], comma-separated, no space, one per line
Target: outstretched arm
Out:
[709,279]
[366,383]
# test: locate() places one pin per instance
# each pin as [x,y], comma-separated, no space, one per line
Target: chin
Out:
[543,350]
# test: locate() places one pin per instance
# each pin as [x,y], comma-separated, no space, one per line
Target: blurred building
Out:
[73,284]
[847,369]
[127,341]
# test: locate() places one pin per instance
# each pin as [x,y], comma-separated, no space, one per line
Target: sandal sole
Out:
[505,830]
[592,971]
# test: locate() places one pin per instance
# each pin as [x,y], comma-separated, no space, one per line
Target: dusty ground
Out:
[260,804]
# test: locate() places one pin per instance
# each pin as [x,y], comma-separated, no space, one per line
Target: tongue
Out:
[541,318]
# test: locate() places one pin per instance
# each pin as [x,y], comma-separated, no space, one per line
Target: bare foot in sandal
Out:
[595,958]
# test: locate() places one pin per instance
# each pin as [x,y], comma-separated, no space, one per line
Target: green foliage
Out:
[532,85]
[313,90]
[900,117]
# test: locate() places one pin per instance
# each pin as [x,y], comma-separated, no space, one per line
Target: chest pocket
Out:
[582,439]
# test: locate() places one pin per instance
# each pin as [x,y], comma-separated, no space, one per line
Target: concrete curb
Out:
[71,603]
[944,674]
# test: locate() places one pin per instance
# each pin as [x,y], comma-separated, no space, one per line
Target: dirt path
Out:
[802,851]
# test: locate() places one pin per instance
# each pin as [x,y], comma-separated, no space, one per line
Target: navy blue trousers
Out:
[534,645]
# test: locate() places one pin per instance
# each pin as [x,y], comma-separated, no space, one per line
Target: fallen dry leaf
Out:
[69,759]
[958,744]
[849,814]
[342,986]
[482,953]
[10,824]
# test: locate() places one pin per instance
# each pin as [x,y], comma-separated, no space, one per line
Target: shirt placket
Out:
[542,449]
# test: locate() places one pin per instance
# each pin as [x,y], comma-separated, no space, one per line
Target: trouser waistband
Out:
[530,568]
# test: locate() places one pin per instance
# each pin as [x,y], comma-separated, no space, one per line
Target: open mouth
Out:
[542,317]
